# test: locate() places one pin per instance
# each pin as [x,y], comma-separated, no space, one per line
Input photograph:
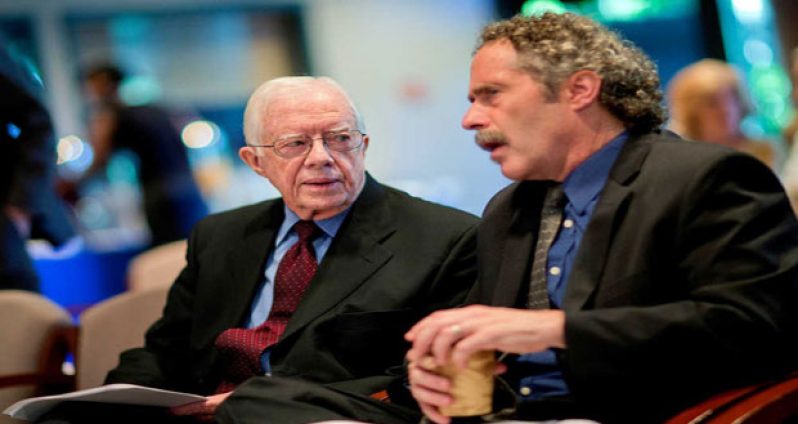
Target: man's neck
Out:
[594,130]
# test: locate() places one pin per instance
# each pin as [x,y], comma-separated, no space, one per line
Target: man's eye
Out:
[339,138]
[293,143]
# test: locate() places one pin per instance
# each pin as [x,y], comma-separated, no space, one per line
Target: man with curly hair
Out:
[626,274]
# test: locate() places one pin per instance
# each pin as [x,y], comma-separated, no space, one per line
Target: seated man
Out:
[627,272]
[313,290]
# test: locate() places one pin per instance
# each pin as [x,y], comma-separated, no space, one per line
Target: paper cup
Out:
[472,387]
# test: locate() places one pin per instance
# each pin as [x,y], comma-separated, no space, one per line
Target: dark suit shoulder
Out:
[239,219]
[410,209]
[682,163]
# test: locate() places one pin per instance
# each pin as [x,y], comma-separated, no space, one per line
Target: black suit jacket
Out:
[394,259]
[685,282]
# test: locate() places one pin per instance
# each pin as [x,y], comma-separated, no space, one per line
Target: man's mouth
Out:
[490,140]
[320,182]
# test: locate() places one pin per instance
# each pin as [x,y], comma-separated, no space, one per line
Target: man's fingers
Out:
[196,408]
[442,345]
[434,414]
[420,374]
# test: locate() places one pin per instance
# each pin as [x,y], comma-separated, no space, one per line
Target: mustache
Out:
[484,137]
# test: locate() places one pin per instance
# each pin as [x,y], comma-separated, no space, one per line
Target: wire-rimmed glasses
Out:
[291,146]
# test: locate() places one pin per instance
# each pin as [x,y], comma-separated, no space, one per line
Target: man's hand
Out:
[460,332]
[431,390]
[203,410]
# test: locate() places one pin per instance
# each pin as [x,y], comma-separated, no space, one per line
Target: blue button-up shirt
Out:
[287,237]
[582,189]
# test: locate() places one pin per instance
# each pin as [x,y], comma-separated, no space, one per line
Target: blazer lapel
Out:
[246,264]
[610,210]
[518,246]
[355,254]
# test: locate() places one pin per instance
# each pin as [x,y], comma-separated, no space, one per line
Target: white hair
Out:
[270,90]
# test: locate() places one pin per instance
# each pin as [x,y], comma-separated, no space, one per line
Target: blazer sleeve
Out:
[164,360]
[728,317]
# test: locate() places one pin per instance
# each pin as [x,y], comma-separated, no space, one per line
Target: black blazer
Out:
[685,282]
[394,259]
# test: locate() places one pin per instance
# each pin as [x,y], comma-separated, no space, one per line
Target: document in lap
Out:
[33,408]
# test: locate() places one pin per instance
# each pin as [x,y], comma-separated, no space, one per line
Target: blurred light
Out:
[769,80]
[92,213]
[199,134]
[69,148]
[758,53]
[139,90]
[623,10]
[123,168]
[13,131]
[539,7]
[748,11]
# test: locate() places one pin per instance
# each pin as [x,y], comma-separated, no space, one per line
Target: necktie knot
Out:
[306,230]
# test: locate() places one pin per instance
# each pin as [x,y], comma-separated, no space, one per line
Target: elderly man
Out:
[628,273]
[312,292]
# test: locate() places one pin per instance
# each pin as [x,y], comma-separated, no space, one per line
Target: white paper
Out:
[33,408]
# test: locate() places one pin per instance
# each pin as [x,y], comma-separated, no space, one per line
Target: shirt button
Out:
[555,270]
[526,391]
[568,223]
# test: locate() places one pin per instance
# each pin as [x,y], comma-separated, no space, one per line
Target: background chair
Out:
[111,327]
[157,267]
[769,402]
[35,334]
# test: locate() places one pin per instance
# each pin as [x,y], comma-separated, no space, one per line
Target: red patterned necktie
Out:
[241,348]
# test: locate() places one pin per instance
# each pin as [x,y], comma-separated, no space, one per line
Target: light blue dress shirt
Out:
[582,189]
[287,237]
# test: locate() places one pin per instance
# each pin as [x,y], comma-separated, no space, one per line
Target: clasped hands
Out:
[457,333]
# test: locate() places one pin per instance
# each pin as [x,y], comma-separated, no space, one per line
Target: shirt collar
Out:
[586,181]
[329,226]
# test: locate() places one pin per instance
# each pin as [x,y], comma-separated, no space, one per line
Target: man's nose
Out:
[474,119]
[319,152]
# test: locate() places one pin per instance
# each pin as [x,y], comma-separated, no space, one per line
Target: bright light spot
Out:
[199,134]
[757,52]
[139,90]
[622,10]
[13,130]
[539,7]
[69,148]
[748,11]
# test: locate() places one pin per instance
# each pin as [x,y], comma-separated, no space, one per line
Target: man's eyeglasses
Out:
[292,146]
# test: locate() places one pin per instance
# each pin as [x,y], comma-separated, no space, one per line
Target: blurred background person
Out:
[172,201]
[30,207]
[708,102]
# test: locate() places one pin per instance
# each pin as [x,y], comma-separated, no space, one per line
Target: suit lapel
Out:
[355,254]
[610,210]
[246,263]
[518,246]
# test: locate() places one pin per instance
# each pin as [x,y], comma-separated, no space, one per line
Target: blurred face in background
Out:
[718,116]
[321,183]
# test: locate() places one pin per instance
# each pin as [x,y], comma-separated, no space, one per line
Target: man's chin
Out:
[327,207]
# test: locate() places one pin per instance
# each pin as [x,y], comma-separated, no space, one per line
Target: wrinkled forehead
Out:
[306,110]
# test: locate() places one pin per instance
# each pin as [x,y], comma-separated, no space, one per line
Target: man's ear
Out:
[582,89]
[365,143]
[248,155]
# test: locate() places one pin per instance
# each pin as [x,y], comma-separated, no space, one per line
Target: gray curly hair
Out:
[552,46]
